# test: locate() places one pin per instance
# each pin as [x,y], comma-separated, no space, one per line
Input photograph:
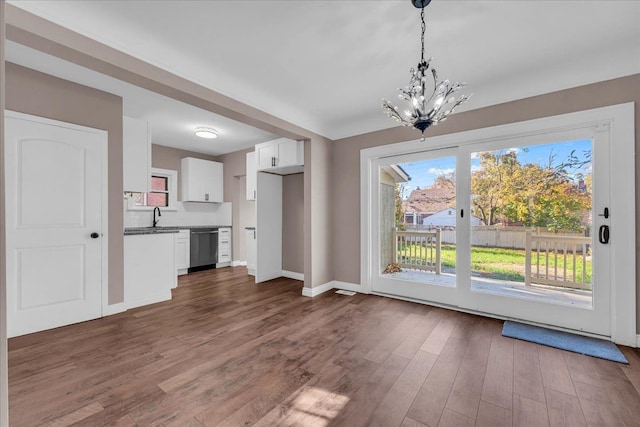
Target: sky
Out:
[424,173]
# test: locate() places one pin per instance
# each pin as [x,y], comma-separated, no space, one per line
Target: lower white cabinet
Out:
[224,247]
[149,268]
[251,251]
[183,251]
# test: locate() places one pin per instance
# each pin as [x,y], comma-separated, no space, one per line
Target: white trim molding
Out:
[317,290]
[293,275]
[355,287]
[334,284]
[238,263]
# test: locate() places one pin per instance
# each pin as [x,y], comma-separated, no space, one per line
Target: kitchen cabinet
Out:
[268,227]
[252,175]
[183,252]
[282,156]
[136,155]
[251,251]
[149,268]
[224,247]
[201,180]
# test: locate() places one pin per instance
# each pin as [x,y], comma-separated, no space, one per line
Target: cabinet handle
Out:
[254,194]
[206,197]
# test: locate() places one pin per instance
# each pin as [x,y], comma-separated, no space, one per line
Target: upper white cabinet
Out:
[252,175]
[201,180]
[136,155]
[283,156]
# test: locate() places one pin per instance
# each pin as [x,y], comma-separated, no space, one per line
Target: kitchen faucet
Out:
[155,221]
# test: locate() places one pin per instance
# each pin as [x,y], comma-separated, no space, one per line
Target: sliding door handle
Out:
[603,234]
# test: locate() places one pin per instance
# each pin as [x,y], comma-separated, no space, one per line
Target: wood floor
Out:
[227,352]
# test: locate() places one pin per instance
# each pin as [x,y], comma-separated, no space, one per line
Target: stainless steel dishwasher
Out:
[204,249]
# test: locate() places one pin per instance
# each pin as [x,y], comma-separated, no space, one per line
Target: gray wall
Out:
[293,223]
[31,92]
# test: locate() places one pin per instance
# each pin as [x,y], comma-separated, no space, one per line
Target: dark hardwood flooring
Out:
[228,352]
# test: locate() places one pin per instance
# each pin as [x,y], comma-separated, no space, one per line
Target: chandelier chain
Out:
[424,27]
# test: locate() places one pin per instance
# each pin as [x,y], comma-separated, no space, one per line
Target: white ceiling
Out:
[326,65]
[172,122]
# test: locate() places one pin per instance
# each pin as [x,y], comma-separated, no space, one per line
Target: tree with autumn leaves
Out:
[534,195]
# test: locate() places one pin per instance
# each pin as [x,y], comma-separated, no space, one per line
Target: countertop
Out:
[132,231]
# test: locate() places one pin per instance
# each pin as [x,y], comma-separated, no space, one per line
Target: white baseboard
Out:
[150,299]
[334,284]
[238,263]
[110,310]
[271,276]
[293,275]
[223,264]
[355,287]
[637,341]
[317,290]
[251,271]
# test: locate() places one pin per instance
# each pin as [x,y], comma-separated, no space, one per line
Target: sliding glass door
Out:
[516,226]
[416,201]
[533,255]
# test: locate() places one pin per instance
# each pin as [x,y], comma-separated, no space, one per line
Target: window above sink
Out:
[163,192]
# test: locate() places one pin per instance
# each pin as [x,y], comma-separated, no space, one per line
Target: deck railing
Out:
[418,250]
[554,261]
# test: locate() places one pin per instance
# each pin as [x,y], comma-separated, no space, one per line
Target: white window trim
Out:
[172,184]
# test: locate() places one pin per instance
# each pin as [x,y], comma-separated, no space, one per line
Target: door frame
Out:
[617,120]
[104,188]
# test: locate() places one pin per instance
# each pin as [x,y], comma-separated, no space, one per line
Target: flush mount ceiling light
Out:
[207,133]
[425,109]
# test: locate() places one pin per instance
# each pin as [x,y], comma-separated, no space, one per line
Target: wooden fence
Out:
[493,236]
[418,250]
[553,260]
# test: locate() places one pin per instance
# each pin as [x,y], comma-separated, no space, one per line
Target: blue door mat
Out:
[564,341]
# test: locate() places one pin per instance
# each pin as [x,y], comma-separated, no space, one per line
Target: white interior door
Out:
[54,220]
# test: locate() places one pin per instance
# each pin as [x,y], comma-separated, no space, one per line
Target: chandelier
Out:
[426,109]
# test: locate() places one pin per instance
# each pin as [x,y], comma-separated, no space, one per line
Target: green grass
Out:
[500,263]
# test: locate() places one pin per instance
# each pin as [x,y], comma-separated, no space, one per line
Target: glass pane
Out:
[532,223]
[159,183]
[418,221]
[157,199]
